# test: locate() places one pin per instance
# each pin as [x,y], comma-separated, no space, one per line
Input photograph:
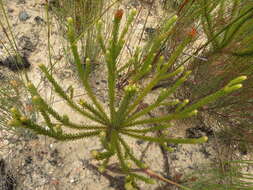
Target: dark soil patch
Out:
[16,63]
[7,180]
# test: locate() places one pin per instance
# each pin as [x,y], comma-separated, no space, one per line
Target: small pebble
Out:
[10,10]
[39,20]
[23,16]
[73,180]
[134,3]
[150,30]
[28,160]
[21,2]
[139,142]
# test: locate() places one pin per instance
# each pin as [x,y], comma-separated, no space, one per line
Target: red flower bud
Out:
[119,13]
[192,33]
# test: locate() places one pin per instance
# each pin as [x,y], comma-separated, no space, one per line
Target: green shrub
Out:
[224,50]
[124,119]
[230,55]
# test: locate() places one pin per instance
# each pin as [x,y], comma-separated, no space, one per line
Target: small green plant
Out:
[84,13]
[125,119]
[227,175]
[9,97]
[239,135]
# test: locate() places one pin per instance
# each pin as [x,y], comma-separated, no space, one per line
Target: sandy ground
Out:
[42,163]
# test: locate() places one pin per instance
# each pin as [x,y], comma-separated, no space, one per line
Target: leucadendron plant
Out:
[124,119]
